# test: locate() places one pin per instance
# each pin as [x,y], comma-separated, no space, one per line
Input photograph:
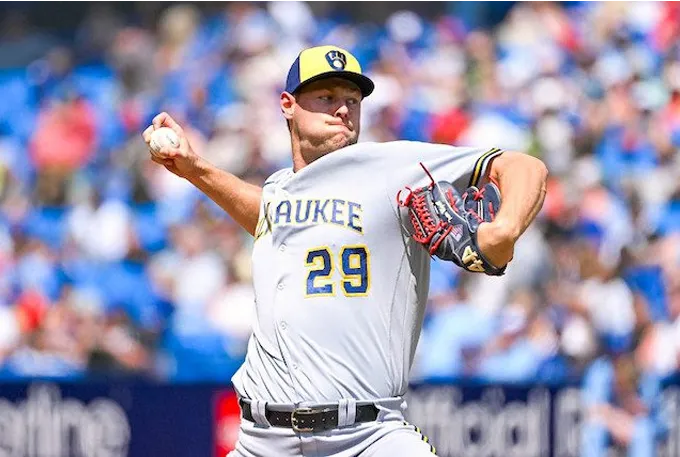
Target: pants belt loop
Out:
[351,411]
[257,408]
[342,413]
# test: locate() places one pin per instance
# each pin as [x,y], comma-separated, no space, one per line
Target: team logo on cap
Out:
[336,59]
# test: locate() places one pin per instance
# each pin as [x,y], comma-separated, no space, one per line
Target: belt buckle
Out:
[294,420]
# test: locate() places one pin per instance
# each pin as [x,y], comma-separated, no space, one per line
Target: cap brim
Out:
[364,83]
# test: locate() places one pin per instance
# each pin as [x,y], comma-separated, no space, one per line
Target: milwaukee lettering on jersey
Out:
[334,211]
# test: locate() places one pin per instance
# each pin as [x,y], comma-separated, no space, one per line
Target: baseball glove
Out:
[446,223]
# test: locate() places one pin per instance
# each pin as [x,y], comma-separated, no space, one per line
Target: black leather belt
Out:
[309,419]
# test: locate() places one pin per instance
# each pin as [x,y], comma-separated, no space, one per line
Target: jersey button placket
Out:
[281,296]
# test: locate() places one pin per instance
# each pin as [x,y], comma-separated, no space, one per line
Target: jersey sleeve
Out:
[462,166]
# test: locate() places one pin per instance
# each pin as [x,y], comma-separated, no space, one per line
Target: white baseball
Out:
[162,138]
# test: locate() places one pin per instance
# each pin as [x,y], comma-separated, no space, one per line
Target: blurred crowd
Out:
[110,265]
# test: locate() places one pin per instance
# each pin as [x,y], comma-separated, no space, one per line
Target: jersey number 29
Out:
[354,265]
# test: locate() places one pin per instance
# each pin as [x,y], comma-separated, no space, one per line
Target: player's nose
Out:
[342,111]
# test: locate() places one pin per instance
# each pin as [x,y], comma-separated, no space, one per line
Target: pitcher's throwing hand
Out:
[179,158]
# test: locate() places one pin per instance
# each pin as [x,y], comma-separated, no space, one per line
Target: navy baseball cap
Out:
[321,62]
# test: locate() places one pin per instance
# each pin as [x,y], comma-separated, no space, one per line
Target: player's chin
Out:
[346,138]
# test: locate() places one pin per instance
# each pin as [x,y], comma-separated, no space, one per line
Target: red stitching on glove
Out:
[408,198]
[435,246]
[477,216]
[452,200]
[428,173]
[479,194]
[421,218]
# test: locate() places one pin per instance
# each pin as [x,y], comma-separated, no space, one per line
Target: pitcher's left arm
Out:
[522,182]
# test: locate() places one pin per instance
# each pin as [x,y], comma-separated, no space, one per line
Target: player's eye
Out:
[352,101]
[326,98]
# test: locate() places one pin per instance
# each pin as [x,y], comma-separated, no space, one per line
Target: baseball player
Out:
[341,259]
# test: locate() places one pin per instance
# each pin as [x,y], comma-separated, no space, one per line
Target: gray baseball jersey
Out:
[340,288]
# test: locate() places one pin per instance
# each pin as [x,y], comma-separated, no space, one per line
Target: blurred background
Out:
[115,272]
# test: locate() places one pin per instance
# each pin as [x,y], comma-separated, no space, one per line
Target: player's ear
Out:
[287,103]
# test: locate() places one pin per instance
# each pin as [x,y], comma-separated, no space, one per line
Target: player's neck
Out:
[304,153]
[299,161]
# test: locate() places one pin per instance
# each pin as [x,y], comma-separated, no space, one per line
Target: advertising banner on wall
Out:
[144,420]
[116,420]
[476,421]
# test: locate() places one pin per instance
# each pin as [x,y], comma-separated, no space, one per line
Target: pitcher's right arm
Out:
[240,199]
